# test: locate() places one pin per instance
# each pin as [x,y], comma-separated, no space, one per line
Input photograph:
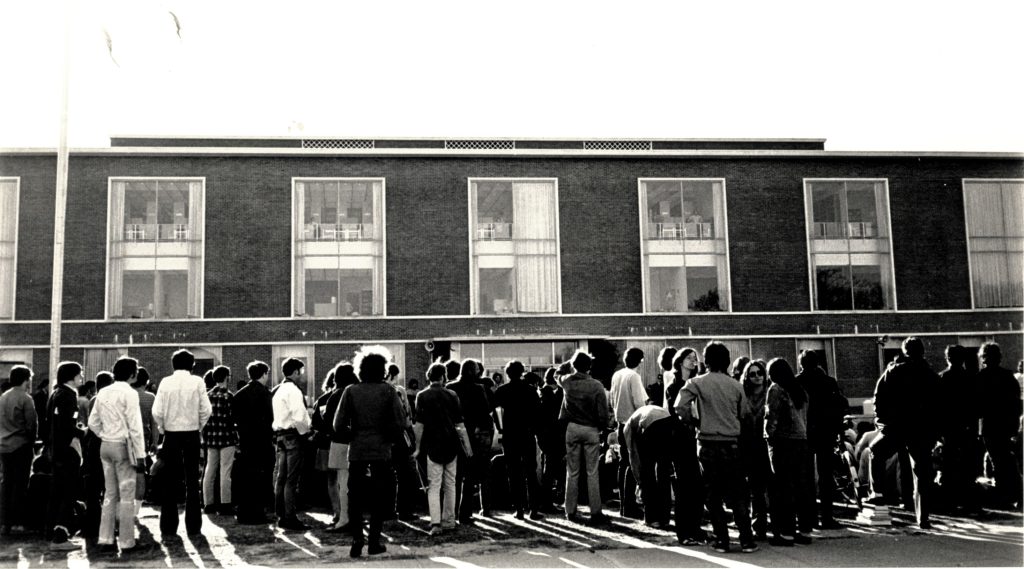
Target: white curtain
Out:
[115,288]
[719,233]
[378,248]
[474,269]
[533,219]
[195,259]
[298,232]
[996,242]
[881,213]
[97,360]
[645,261]
[8,245]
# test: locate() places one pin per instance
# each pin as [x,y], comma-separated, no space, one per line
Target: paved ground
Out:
[997,540]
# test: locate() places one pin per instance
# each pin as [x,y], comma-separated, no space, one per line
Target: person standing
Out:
[959,431]
[904,397]
[551,439]
[408,491]
[371,412]
[441,435]
[181,410]
[1000,422]
[586,412]
[291,423]
[689,484]
[721,409]
[253,410]
[826,408]
[150,432]
[472,470]
[323,432]
[520,407]
[18,428]
[785,428]
[220,440]
[753,446]
[627,395]
[64,447]
[117,420]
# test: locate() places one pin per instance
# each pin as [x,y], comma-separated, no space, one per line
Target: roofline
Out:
[426,138]
[530,153]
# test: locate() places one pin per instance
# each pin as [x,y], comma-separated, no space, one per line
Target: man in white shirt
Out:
[180,410]
[627,395]
[291,423]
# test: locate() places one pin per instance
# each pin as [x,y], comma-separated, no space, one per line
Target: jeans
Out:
[757,466]
[585,441]
[657,448]
[286,475]
[16,467]
[65,487]
[218,460]
[724,482]
[180,454]
[521,461]
[790,460]
[119,495]
[888,443]
[625,481]
[441,475]
[371,486]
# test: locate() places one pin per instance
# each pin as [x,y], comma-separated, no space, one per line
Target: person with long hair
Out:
[337,457]
[689,486]
[323,432]
[753,447]
[684,367]
[785,428]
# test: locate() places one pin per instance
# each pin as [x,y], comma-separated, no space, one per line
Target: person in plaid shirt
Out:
[219,439]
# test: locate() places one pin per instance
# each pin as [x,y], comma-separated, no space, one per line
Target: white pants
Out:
[438,474]
[218,459]
[119,495]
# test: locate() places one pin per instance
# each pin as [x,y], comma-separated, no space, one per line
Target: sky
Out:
[885,76]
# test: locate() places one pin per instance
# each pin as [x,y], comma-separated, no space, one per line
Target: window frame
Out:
[644,285]
[111,180]
[809,224]
[967,231]
[474,282]
[383,244]
[14,259]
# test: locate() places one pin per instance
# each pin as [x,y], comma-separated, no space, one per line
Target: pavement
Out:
[995,539]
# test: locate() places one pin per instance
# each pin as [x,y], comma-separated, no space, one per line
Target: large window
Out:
[8,245]
[848,233]
[683,237]
[514,247]
[995,239]
[339,247]
[155,267]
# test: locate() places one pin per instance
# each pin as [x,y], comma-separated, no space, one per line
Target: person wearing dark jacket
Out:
[323,430]
[520,407]
[253,410]
[904,398]
[471,473]
[18,428]
[65,449]
[337,458]
[825,411]
[1000,421]
[959,431]
[551,439]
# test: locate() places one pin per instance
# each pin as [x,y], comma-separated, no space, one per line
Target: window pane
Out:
[171,294]
[833,288]
[322,292]
[8,246]
[665,289]
[496,287]
[140,212]
[699,209]
[994,214]
[494,210]
[826,200]
[702,289]
[356,287]
[138,294]
[664,209]
[867,288]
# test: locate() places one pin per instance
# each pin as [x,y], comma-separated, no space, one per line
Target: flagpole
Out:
[60,206]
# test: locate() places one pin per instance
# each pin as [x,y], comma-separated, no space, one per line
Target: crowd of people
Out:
[756,437]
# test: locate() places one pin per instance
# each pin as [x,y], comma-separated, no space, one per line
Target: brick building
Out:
[245,249]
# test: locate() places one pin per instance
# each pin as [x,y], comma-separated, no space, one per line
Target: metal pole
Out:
[60,206]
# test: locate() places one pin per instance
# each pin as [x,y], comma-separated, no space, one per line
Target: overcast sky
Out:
[863,75]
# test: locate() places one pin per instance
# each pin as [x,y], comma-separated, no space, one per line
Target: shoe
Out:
[407,517]
[210,509]
[169,538]
[346,528]
[106,548]
[780,541]
[449,525]
[749,547]
[486,513]
[599,519]
[574,517]
[925,524]
[721,546]
[64,546]
[690,542]
[830,524]
[802,539]
[875,499]
[520,515]
[760,535]
[375,548]
[657,524]
[465,520]
[435,530]
[536,516]
[292,524]
[226,509]
[252,521]
[356,550]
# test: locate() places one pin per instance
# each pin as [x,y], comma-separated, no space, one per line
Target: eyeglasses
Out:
[755,374]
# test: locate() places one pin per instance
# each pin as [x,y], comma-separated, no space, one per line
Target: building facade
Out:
[244,249]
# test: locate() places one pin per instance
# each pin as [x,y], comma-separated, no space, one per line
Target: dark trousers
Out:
[1004,468]
[180,455]
[757,466]
[472,489]
[65,487]
[371,489]
[689,487]
[16,467]
[790,460]
[287,469]
[625,482]
[959,465]
[888,443]
[254,483]
[724,483]
[658,450]
[409,492]
[521,462]
[824,458]
[553,467]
